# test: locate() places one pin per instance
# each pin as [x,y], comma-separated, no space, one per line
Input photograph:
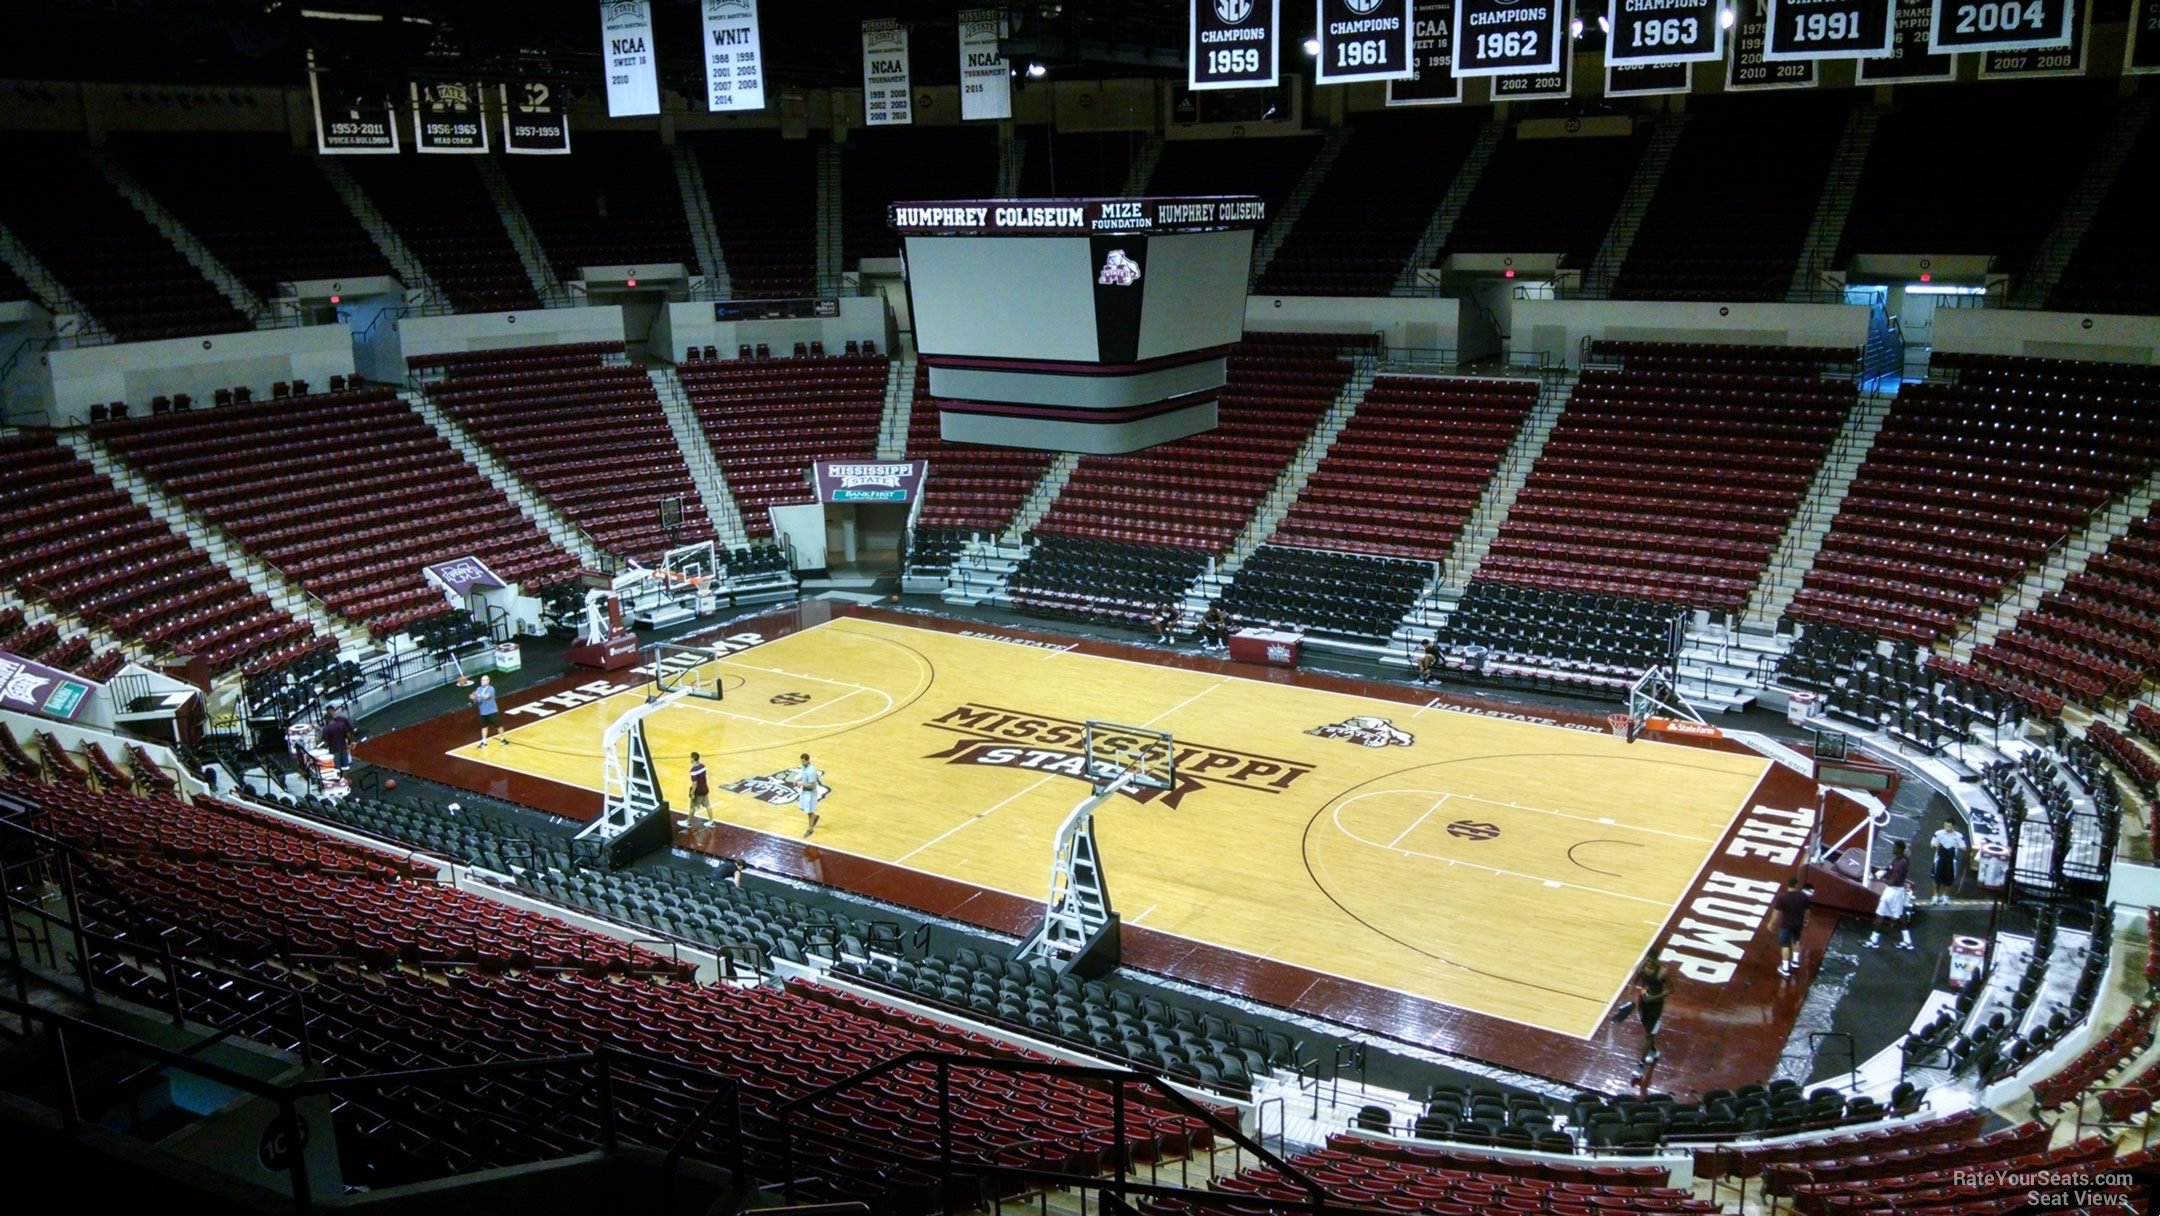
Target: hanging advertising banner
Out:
[1745,67]
[30,687]
[1662,31]
[533,121]
[2000,25]
[1826,29]
[1648,79]
[734,62]
[1522,86]
[1233,44]
[626,54]
[858,481]
[1909,61]
[985,75]
[1363,40]
[2141,57]
[352,115]
[887,94]
[1500,37]
[2048,61]
[446,117]
[1432,59]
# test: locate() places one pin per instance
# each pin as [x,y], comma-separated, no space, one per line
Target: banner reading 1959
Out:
[1233,44]
[1663,31]
[1432,59]
[2000,25]
[1364,40]
[1509,37]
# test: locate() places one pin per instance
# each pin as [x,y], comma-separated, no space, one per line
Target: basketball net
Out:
[1619,724]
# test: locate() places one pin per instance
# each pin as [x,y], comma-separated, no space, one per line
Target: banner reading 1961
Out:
[1500,37]
[626,52]
[1826,29]
[1432,59]
[734,62]
[887,95]
[1233,44]
[2000,25]
[446,117]
[1663,31]
[1363,40]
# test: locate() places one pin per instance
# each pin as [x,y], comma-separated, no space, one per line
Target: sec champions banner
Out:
[1233,44]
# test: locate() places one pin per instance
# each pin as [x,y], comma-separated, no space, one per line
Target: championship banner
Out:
[446,117]
[2049,61]
[1648,79]
[734,62]
[2000,25]
[1364,40]
[534,124]
[461,575]
[1233,44]
[1826,29]
[626,46]
[1746,69]
[985,75]
[1909,61]
[1499,37]
[859,481]
[887,96]
[352,116]
[1432,60]
[32,688]
[1522,86]
[1647,32]
[2142,56]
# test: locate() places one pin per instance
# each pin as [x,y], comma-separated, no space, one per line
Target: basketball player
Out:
[1651,989]
[1164,620]
[700,789]
[1791,906]
[1896,900]
[483,699]
[807,779]
[1428,659]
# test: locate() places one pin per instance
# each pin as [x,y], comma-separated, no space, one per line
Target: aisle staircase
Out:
[2064,561]
[1506,483]
[1285,218]
[1442,225]
[829,247]
[1635,204]
[70,319]
[2045,268]
[420,288]
[531,253]
[697,454]
[1803,539]
[259,313]
[1834,205]
[1291,481]
[899,415]
[529,501]
[697,211]
[1143,167]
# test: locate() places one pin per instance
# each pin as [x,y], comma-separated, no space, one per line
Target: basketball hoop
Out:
[1619,724]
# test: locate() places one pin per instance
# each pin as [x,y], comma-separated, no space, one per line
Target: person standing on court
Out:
[1651,989]
[1896,900]
[1791,906]
[483,699]
[1949,847]
[808,781]
[700,788]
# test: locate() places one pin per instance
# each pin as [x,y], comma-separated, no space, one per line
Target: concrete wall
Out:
[1410,322]
[680,325]
[1557,327]
[135,372]
[2052,335]
[504,330]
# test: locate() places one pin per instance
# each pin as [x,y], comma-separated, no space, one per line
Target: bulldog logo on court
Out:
[1366,731]
[773,789]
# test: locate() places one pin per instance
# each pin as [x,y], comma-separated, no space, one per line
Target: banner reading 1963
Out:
[1826,29]
[1502,37]
[626,52]
[1363,40]
[734,62]
[1432,59]
[1233,44]
[887,95]
[1663,31]
[446,117]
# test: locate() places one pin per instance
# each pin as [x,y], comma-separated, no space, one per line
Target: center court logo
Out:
[1366,731]
[991,737]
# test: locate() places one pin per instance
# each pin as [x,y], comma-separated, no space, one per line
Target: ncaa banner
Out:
[1648,79]
[1909,61]
[2142,56]
[734,63]
[1826,29]
[2046,61]
[352,117]
[1432,59]
[633,87]
[985,75]
[1233,44]
[1746,69]
[1650,32]
[2000,25]
[533,121]
[446,117]
[1509,37]
[1364,40]
[887,95]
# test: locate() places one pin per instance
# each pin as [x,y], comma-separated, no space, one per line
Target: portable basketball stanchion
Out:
[628,791]
[1079,933]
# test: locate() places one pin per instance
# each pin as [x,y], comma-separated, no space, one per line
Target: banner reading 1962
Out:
[1826,29]
[2142,56]
[734,62]
[1502,37]
[1432,59]
[1233,44]
[1663,31]
[1363,40]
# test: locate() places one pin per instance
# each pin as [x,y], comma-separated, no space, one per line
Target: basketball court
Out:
[1514,869]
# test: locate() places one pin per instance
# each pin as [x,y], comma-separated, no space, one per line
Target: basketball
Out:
[389,785]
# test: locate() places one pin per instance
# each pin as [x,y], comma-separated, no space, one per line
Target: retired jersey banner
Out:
[2142,56]
[1647,32]
[626,49]
[1500,37]
[734,62]
[2000,25]
[30,687]
[888,96]
[866,481]
[1826,29]
[985,75]
[352,115]
[1364,40]
[1432,59]
[1233,44]
[1746,68]
[2046,61]
[446,117]
[533,121]
[1909,61]
[1648,79]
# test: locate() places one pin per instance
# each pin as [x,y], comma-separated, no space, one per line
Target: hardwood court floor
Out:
[1507,868]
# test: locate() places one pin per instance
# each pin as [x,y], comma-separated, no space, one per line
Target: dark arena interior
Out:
[1187,607]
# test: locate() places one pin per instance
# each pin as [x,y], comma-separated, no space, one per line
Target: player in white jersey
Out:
[809,786]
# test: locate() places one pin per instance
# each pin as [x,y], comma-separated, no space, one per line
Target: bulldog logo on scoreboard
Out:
[1366,731]
[1118,270]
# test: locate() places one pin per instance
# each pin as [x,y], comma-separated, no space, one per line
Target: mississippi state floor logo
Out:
[1366,731]
[775,789]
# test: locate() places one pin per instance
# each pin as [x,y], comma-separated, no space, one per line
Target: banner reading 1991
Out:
[1233,44]
[1826,29]
[1506,37]
[1663,31]
[1363,40]
[1432,59]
